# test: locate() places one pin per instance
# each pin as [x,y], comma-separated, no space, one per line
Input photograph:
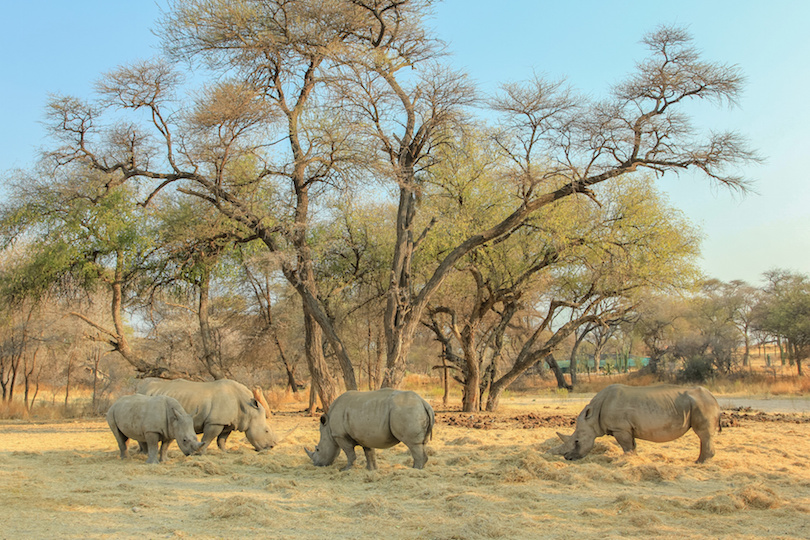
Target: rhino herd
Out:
[162,411]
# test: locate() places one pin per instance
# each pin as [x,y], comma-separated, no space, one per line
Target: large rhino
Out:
[151,420]
[653,413]
[218,407]
[378,419]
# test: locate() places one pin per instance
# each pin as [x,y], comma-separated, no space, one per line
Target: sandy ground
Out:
[489,476]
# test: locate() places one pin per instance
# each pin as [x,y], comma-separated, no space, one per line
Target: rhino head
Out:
[257,431]
[181,427]
[577,445]
[327,450]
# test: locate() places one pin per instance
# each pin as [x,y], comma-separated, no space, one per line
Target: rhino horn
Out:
[563,438]
[282,439]
[258,395]
[309,452]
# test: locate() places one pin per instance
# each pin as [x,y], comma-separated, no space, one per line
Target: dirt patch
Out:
[536,420]
[734,417]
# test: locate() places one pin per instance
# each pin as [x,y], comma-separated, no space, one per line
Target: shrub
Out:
[696,369]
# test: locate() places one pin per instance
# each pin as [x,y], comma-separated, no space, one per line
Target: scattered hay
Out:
[724,503]
[751,497]
[378,508]
[65,480]
[463,441]
[237,507]
[759,497]
[204,466]
[652,473]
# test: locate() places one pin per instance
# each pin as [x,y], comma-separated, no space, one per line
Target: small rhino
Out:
[378,419]
[659,413]
[149,420]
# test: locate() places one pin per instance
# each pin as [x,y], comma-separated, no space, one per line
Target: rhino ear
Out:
[588,412]
[254,404]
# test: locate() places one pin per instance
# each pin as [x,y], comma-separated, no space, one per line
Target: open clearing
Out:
[489,476]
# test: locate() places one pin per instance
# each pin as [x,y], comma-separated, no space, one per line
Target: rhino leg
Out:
[152,441]
[164,449]
[142,447]
[121,439]
[371,459]
[626,441]
[222,439]
[706,436]
[348,449]
[210,432]
[419,455]
[706,429]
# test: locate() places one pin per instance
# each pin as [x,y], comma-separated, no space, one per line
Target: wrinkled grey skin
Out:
[218,407]
[379,419]
[151,420]
[653,413]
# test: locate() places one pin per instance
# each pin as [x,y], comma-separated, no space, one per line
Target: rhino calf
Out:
[378,419]
[151,420]
[652,413]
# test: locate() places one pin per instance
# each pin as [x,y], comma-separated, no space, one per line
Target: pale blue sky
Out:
[53,46]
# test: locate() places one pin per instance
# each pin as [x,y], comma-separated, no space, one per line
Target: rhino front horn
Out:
[282,439]
[563,438]
[308,451]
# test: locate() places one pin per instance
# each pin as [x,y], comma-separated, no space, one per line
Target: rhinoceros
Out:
[652,413]
[151,420]
[218,407]
[377,419]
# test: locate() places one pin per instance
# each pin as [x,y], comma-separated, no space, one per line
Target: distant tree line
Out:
[334,195]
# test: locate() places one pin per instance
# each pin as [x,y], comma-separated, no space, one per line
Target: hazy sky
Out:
[54,46]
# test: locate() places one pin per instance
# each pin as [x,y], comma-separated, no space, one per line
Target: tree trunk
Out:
[211,357]
[597,356]
[67,381]
[470,400]
[398,317]
[322,379]
[797,357]
[572,367]
[555,368]
[445,378]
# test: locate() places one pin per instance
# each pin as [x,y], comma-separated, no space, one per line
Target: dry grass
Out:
[64,479]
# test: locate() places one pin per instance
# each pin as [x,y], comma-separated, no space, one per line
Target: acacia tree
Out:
[560,146]
[81,232]
[784,311]
[284,53]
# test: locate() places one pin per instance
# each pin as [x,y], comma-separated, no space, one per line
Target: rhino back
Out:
[215,402]
[655,413]
[136,415]
[367,417]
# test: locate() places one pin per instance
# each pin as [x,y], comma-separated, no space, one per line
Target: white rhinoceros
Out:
[218,407]
[659,413]
[378,419]
[151,420]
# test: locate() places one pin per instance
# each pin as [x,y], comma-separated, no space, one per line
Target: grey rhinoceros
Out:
[151,420]
[378,419]
[218,408]
[659,413]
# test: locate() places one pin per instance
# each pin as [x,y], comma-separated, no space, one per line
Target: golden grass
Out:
[64,479]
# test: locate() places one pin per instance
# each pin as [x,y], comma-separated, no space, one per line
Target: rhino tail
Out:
[431,422]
